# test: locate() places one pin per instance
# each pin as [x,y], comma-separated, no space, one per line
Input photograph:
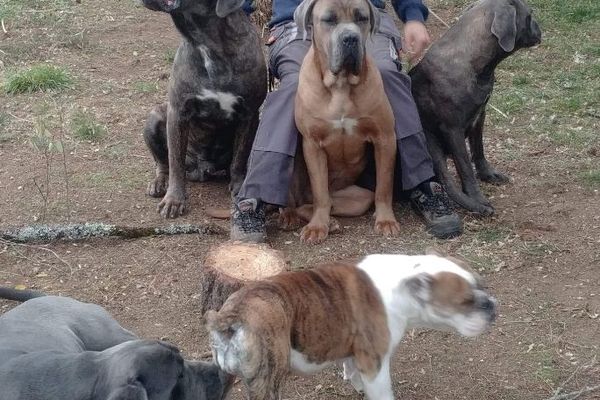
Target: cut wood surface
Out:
[231,265]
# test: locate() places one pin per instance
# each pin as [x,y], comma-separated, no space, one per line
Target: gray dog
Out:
[453,83]
[57,348]
[218,83]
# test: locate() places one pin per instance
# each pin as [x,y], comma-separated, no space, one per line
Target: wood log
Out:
[231,265]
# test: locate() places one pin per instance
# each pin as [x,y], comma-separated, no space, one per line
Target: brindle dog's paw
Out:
[494,177]
[158,187]
[314,233]
[172,206]
[387,227]
[484,210]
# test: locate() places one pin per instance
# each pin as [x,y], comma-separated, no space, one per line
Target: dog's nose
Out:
[489,305]
[536,32]
[350,40]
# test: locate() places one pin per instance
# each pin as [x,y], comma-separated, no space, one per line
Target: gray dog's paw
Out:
[172,205]
[158,187]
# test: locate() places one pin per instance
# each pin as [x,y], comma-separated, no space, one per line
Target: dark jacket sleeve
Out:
[410,10]
[249,7]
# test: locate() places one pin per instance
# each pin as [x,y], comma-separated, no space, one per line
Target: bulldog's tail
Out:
[21,295]
[227,340]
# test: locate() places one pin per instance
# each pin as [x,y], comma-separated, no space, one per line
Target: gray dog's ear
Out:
[504,27]
[131,391]
[226,7]
[303,16]
[419,287]
[374,17]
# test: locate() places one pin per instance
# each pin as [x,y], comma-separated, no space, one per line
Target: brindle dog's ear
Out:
[303,16]
[504,27]
[226,7]
[374,17]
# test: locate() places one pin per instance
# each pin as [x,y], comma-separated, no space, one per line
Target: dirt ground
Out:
[540,254]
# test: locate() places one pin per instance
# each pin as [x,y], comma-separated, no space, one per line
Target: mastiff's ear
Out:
[504,27]
[303,16]
[131,391]
[374,17]
[226,7]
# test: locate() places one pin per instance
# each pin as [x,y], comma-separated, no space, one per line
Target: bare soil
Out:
[540,254]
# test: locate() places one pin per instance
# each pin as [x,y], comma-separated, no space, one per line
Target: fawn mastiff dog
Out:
[340,107]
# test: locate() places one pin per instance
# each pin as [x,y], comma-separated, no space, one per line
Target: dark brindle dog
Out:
[217,84]
[453,83]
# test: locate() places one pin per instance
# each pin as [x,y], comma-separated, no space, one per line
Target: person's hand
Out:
[416,40]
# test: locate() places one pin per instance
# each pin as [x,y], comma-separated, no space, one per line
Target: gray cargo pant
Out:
[271,161]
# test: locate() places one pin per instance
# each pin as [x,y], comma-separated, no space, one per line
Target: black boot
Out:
[432,203]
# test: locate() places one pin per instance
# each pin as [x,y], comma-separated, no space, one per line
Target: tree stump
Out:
[231,265]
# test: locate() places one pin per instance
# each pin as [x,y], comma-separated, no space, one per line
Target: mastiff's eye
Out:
[330,19]
[360,17]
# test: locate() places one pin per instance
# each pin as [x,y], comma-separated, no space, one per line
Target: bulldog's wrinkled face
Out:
[453,298]
[340,31]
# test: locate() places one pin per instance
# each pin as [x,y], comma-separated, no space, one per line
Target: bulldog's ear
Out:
[226,7]
[504,27]
[374,17]
[419,287]
[131,391]
[434,251]
[303,16]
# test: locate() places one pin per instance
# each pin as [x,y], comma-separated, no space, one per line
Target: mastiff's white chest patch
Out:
[226,100]
[347,125]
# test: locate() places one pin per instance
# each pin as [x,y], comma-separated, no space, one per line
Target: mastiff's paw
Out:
[494,177]
[314,233]
[387,227]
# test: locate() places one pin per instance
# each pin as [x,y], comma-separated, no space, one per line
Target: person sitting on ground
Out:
[271,161]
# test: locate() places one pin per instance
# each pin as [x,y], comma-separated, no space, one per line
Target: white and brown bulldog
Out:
[341,106]
[354,313]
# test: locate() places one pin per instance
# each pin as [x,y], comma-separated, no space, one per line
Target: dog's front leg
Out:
[485,171]
[385,158]
[380,386]
[244,136]
[316,162]
[173,204]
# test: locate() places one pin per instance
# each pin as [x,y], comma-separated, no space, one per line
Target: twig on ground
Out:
[498,111]
[3,26]
[9,242]
[48,233]
[438,18]
[574,395]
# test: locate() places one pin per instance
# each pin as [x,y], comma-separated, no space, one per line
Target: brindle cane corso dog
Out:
[218,82]
[453,84]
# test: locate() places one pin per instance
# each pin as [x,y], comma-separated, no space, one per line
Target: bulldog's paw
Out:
[387,227]
[158,187]
[172,205]
[314,233]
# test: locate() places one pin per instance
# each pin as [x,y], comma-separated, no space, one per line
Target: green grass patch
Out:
[85,127]
[145,87]
[42,77]
[547,370]
[492,234]
[591,178]
[169,56]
